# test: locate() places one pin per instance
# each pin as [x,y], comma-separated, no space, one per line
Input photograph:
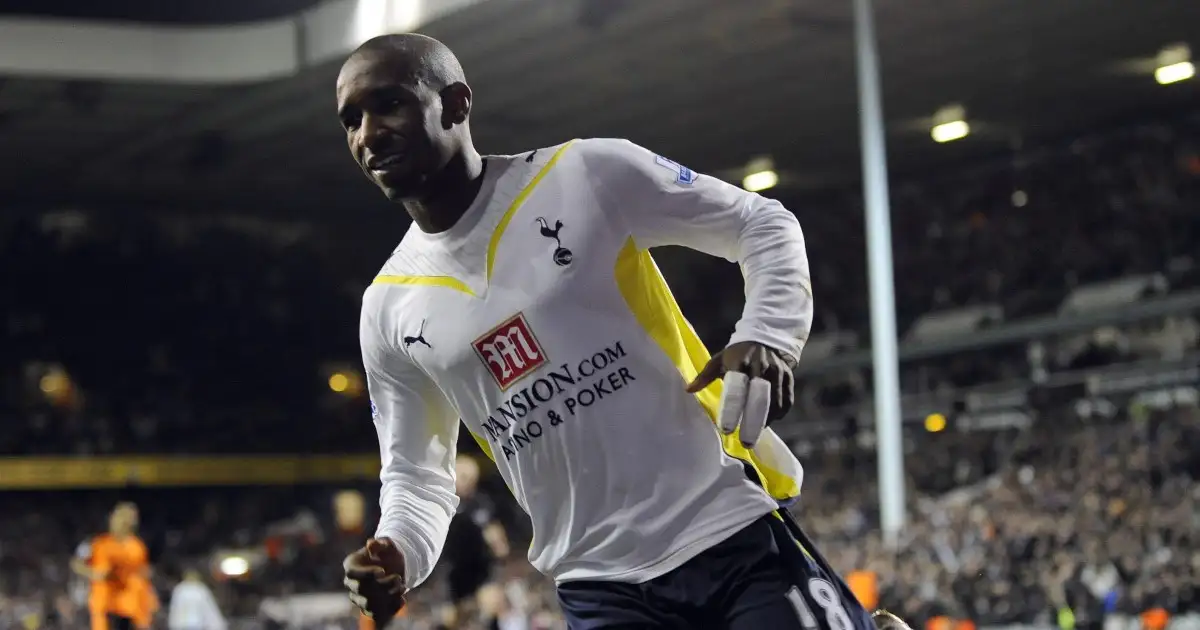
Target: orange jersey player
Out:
[118,566]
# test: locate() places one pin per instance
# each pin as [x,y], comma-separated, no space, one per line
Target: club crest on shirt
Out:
[510,351]
[562,256]
[684,176]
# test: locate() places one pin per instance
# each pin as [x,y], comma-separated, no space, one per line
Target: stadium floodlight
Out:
[235,566]
[951,131]
[54,382]
[949,124]
[760,174]
[377,17]
[760,180]
[1174,73]
[1174,64]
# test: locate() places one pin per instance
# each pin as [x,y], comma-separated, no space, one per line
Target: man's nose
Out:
[375,135]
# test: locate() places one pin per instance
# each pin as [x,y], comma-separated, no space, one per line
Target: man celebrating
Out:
[523,300]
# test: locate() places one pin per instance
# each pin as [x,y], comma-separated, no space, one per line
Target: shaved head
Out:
[420,58]
[405,107]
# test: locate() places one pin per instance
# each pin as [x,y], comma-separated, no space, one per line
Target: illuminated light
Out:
[235,566]
[54,383]
[406,15]
[377,17]
[1174,73]
[1019,199]
[935,423]
[950,131]
[762,180]
[370,19]
[339,382]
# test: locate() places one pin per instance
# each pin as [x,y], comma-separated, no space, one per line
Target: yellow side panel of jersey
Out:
[650,300]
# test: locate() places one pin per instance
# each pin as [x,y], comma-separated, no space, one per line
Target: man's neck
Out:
[452,193]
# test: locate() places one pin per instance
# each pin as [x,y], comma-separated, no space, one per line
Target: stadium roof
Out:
[712,83]
[191,12]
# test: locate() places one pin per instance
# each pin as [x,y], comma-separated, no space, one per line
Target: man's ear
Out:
[456,103]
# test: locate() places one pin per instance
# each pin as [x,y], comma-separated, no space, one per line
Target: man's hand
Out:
[885,620]
[375,579]
[759,388]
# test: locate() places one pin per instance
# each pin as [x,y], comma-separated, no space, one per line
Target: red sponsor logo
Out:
[510,351]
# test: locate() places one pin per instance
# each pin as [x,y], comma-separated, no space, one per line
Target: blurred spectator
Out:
[193,606]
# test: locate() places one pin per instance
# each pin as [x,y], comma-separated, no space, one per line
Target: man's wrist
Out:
[784,355]
[399,544]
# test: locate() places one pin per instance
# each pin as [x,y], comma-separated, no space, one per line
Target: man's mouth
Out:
[378,164]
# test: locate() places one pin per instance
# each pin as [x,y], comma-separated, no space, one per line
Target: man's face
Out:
[393,125]
[123,520]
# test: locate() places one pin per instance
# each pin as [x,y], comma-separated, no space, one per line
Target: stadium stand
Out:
[1078,499]
[184,246]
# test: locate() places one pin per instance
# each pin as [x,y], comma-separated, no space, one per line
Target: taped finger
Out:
[733,401]
[758,407]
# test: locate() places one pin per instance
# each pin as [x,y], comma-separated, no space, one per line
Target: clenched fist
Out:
[375,579]
[759,388]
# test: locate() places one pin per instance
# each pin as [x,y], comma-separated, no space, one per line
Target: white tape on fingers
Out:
[733,401]
[758,407]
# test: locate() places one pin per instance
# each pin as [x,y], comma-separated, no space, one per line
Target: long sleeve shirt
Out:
[541,321]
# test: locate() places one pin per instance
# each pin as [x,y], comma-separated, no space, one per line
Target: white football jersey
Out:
[542,322]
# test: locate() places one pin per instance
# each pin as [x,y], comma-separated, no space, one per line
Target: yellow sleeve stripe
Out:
[494,244]
[429,281]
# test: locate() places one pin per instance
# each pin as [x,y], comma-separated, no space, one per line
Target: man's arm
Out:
[83,569]
[663,203]
[496,539]
[87,561]
[79,561]
[146,570]
[417,431]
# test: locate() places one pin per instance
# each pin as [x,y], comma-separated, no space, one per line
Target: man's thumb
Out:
[376,548]
[710,373]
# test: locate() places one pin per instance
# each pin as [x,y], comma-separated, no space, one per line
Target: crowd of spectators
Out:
[166,333]
[1091,516]
[169,326]
[178,335]
[1020,232]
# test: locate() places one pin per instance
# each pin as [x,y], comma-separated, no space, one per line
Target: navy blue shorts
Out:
[767,576]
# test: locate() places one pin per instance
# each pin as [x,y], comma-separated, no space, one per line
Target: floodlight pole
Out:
[885,360]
